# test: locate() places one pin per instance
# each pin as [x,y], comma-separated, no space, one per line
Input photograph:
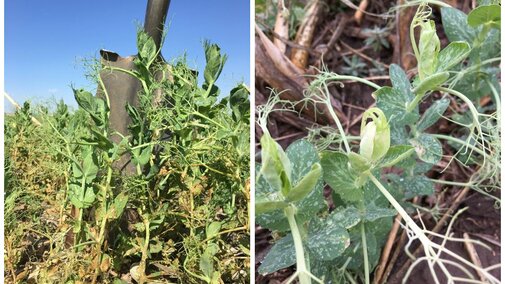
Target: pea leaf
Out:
[265,206]
[455,25]
[119,205]
[400,80]
[433,114]
[429,47]
[396,154]
[327,239]
[206,260]
[275,167]
[486,14]
[412,186]
[215,63]
[428,148]
[212,229]
[394,105]
[239,102]
[274,220]
[431,82]
[305,185]
[452,54]
[347,217]
[303,156]
[281,255]
[372,212]
[146,47]
[339,177]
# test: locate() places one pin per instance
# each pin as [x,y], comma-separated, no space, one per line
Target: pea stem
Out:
[301,267]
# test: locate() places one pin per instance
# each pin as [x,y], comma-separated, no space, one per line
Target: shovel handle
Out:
[156,14]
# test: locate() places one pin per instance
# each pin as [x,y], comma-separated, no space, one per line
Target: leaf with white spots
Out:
[327,239]
[280,256]
[428,148]
[303,156]
[339,177]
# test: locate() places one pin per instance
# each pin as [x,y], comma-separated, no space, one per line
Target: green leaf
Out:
[412,186]
[213,229]
[347,217]
[143,157]
[400,80]
[428,148]
[94,106]
[305,185]
[239,102]
[491,47]
[433,114]
[215,63]
[280,256]
[327,239]
[358,163]
[119,205]
[265,206]
[455,25]
[452,54]
[396,154]
[275,166]
[485,15]
[339,177]
[89,165]
[394,105]
[85,100]
[206,260]
[303,156]
[373,213]
[474,84]
[103,142]
[274,220]
[146,47]
[431,82]
[429,47]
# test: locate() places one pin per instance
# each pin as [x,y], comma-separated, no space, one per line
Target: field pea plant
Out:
[344,245]
[72,217]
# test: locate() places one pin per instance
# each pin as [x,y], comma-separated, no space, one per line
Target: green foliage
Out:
[346,242]
[182,216]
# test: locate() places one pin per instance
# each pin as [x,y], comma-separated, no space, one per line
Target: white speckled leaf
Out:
[280,256]
[274,220]
[396,154]
[303,156]
[485,14]
[428,148]
[452,54]
[433,114]
[339,177]
[456,26]
[373,212]
[413,185]
[400,81]
[327,239]
[394,105]
[347,217]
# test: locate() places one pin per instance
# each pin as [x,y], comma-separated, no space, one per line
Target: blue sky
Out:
[45,41]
